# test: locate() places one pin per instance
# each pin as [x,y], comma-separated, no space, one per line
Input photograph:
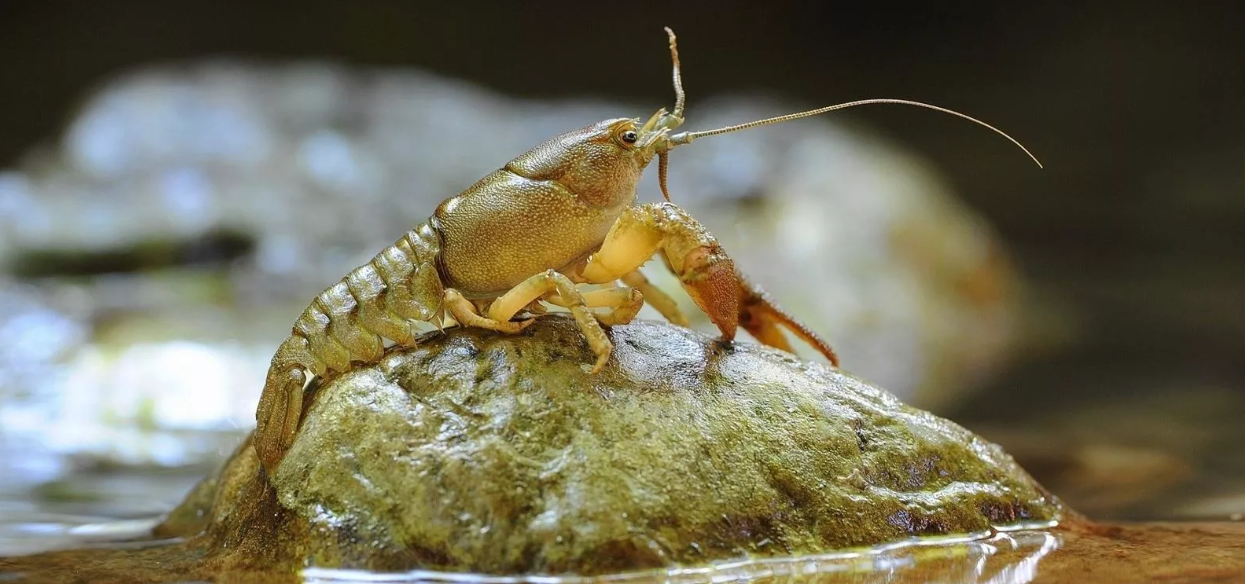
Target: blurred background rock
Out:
[183,177]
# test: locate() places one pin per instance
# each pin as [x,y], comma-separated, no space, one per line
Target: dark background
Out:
[1134,231]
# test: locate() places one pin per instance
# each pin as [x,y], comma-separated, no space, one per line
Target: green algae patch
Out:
[501,454]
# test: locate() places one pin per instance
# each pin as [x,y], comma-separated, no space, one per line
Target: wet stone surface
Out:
[501,454]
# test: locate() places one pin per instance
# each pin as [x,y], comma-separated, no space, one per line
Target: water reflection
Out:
[35,533]
[1001,558]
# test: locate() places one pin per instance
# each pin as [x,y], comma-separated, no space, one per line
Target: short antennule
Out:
[679,98]
[687,137]
[673,119]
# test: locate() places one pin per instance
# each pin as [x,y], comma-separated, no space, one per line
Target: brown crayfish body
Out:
[559,215]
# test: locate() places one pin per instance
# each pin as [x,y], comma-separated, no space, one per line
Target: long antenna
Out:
[687,137]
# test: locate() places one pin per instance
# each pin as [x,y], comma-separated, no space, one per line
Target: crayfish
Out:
[558,216]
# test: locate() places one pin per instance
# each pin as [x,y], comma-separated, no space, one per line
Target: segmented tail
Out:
[344,325]
[281,403]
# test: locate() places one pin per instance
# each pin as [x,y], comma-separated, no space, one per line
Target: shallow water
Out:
[1076,552]
[998,558]
[1008,557]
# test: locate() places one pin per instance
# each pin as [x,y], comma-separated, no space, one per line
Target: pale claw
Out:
[702,266]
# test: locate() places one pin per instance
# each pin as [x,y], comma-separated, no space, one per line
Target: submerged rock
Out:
[500,454]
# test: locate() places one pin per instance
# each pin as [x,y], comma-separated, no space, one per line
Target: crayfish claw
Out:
[762,318]
[710,278]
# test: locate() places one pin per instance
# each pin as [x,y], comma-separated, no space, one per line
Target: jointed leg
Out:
[465,313]
[624,304]
[657,298]
[545,284]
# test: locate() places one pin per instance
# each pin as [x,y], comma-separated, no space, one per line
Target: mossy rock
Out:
[501,454]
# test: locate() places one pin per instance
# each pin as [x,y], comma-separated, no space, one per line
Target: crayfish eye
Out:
[629,136]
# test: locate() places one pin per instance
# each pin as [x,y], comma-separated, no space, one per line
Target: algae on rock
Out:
[501,454]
